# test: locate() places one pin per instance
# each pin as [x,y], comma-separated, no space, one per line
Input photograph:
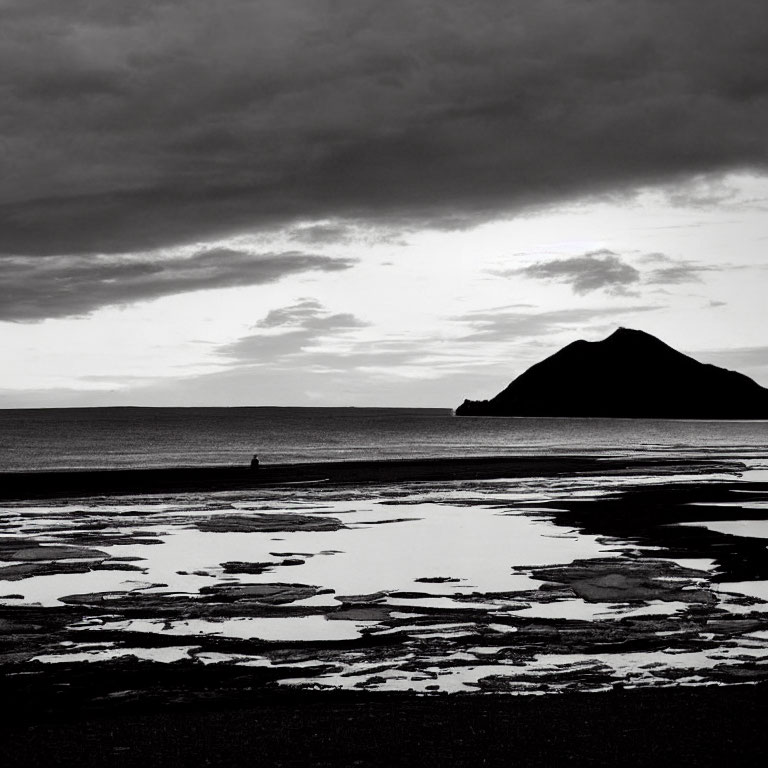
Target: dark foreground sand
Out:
[129,713]
[710,726]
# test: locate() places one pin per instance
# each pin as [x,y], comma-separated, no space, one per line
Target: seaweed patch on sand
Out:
[263,523]
[623,580]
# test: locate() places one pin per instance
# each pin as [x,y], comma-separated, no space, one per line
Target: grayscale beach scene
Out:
[383,383]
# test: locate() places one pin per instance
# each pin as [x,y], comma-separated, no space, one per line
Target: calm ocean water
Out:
[156,437]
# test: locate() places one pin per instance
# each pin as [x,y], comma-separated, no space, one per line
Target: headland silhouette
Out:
[630,374]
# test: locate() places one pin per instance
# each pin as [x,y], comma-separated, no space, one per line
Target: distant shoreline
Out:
[68,483]
[441,408]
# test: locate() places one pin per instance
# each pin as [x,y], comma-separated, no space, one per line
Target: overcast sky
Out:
[357,202]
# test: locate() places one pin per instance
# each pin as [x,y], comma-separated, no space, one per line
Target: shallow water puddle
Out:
[463,586]
[757,529]
[305,628]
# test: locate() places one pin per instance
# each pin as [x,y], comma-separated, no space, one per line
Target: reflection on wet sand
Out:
[524,585]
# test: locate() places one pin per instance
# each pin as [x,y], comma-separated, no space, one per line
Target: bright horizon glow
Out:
[367,203]
[393,330]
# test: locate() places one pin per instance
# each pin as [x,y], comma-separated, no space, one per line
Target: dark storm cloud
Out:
[509,324]
[589,272]
[321,234]
[34,288]
[129,126]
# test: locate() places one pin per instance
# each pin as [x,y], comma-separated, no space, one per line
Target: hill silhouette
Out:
[630,374]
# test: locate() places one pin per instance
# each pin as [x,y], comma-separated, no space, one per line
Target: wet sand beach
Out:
[465,612]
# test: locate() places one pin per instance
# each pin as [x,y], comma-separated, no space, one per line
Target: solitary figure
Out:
[255,462]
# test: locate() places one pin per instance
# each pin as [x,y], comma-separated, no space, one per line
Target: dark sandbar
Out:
[53,484]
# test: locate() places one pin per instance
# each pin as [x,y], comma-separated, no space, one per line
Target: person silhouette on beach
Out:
[255,462]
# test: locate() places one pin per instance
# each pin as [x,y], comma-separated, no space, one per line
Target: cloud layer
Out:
[289,331]
[599,269]
[608,271]
[509,323]
[130,126]
[37,288]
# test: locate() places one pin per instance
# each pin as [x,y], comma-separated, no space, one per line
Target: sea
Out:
[91,438]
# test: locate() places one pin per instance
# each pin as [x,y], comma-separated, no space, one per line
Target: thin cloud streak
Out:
[676,273]
[509,324]
[608,271]
[738,358]
[299,326]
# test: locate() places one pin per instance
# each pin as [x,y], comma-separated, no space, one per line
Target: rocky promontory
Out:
[630,374]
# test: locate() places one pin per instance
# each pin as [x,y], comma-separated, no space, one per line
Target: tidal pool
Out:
[520,585]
